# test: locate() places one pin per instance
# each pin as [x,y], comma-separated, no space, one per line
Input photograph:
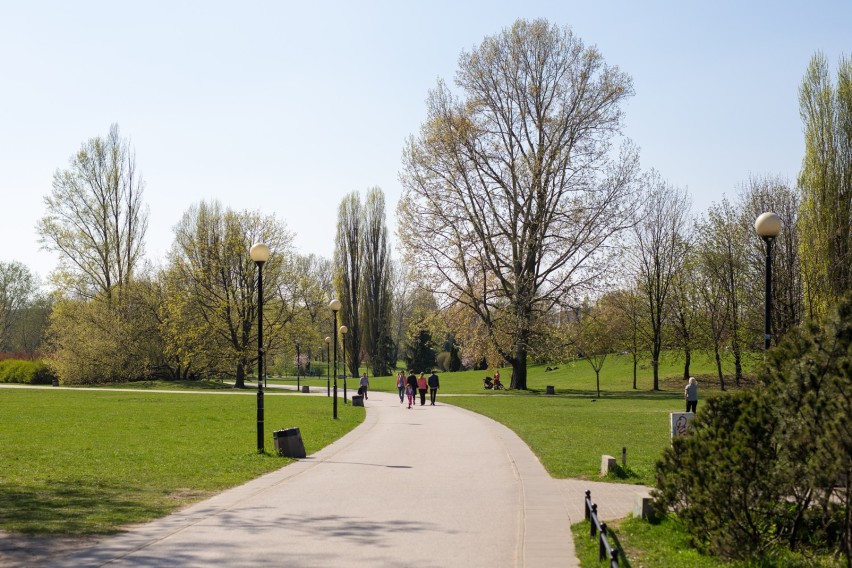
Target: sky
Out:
[285,107]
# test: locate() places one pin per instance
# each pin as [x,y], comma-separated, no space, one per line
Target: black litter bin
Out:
[549,389]
[357,400]
[288,443]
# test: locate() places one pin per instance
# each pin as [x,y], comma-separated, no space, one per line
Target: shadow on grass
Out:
[73,508]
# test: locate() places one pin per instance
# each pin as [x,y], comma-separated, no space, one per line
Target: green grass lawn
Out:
[81,462]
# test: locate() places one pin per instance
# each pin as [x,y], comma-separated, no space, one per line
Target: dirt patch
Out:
[26,550]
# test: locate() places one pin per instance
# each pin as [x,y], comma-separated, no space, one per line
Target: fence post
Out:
[613,558]
[587,504]
[593,525]
[601,547]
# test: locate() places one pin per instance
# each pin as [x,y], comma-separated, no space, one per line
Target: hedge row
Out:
[25,372]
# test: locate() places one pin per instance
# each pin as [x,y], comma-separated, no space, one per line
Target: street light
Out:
[335,307]
[768,226]
[328,365]
[343,331]
[298,367]
[259,253]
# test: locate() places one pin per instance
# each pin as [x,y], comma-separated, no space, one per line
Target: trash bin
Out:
[357,400]
[549,389]
[288,443]
[306,388]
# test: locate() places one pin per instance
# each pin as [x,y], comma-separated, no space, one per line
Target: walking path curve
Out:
[430,486]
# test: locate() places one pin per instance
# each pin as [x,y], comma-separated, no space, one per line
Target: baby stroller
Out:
[487,383]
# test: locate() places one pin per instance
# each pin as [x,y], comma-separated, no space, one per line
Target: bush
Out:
[769,470]
[25,372]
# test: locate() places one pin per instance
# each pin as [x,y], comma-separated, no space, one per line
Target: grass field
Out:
[80,462]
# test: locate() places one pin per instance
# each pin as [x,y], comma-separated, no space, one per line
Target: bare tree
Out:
[348,267]
[376,285]
[659,251]
[514,188]
[96,219]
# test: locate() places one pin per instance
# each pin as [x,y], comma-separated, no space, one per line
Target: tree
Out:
[348,268]
[659,252]
[516,182]
[17,289]
[376,313]
[685,305]
[826,183]
[772,193]
[96,219]
[212,309]
[723,237]
[598,330]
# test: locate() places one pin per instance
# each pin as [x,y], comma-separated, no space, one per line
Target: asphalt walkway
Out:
[433,486]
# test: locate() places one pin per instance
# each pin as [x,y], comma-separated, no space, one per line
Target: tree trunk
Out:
[519,367]
[635,364]
[240,382]
[719,364]
[687,353]
[598,382]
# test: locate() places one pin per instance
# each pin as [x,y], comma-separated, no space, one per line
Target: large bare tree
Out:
[96,219]
[348,267]
[376,286]
[512,190]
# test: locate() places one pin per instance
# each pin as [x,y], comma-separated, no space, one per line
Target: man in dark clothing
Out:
[433,387]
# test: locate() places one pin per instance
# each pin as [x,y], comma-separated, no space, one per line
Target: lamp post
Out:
[335,307]
[343,331]
[328,365]
[298,367]
[259,253]
[768,226]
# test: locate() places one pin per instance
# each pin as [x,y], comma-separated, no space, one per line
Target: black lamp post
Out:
[343,331]
[768,226]
[335,307]
[328,365]
[298,367]
[259,253]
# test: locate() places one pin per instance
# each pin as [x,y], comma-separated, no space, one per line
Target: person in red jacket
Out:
[422,387]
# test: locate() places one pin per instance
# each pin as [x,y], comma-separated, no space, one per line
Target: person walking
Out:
[690,393]
[433,387]
[422,387]
[400,385]
[365,384]
[411,387]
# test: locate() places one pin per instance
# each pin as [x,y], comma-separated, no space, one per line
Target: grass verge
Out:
[89,462]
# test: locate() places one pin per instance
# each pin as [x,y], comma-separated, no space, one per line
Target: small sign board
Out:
[680,423]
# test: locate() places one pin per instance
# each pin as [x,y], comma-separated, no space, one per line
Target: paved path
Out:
[427,487]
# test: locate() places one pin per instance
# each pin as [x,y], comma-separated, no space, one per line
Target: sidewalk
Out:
[427,487]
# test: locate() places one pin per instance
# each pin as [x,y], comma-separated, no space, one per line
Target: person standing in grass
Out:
[422,387]
[365,384]
[400,385]
[690,393]
[433,387]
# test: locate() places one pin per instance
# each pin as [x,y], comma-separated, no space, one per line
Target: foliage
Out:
[210,308]
[96,219]
[516,181]
[420,353]
[25,372]
[771,468]
[17,290]
[826,183]
[93,341]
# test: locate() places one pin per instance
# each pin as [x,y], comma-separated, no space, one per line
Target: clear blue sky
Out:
[287,106]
